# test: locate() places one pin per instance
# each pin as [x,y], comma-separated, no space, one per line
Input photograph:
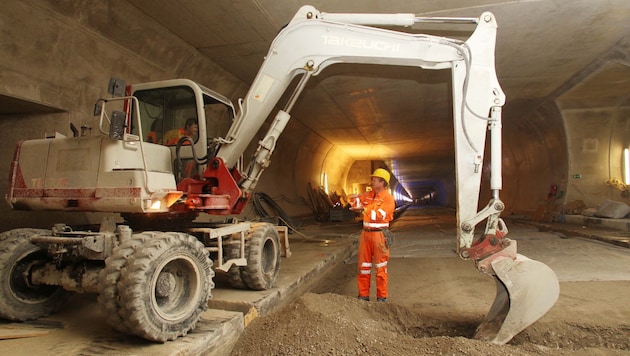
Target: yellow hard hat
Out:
[381,173]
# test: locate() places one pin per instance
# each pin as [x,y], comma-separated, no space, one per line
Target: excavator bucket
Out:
[526,290]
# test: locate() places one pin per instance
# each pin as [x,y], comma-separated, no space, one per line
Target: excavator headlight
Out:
[156,204]
[161,202]
[153,204]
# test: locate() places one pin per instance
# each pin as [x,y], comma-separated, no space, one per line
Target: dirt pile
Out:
[331,324]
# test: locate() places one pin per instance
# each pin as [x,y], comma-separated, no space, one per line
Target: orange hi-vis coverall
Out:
[373,251]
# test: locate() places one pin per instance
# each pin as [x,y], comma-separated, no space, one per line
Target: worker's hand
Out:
[355,202]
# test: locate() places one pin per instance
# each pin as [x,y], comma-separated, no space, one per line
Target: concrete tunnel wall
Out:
[534,157]
[596,138]
[62,55]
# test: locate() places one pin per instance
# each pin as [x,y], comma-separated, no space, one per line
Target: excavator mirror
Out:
[117,125]
[98,107]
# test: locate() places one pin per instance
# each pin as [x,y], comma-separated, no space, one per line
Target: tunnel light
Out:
[401,197]
[626,166]
[325,182]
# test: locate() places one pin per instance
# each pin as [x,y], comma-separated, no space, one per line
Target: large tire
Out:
[234,276]
[19,300]
[108,278]
[262,249]
[165,287]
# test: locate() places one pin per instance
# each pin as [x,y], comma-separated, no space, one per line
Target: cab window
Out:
[166,114]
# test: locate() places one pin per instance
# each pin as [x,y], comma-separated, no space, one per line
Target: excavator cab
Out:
[168,108]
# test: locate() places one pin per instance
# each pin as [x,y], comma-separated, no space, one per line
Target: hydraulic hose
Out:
[179,166]
[258,200]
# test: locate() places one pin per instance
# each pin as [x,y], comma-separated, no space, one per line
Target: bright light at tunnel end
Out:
[401,197]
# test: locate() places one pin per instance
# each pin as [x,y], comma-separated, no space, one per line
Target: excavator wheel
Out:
[234,275]
[526,290]
[19,300]
[262,250]
[165,286]
[108,278]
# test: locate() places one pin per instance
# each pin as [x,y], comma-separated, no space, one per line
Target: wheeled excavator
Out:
[156,284]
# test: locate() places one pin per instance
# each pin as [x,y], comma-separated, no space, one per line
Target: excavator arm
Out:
[312,41]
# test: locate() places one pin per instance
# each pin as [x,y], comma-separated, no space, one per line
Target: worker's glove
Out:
[389,237]
[355,202]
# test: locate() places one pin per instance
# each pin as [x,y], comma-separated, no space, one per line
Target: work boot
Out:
[381,300]
[366,299]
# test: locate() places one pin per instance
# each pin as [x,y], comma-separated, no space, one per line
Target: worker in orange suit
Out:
[191,129]
[378,210]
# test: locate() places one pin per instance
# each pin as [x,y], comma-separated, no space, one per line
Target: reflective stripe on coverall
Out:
[373,251]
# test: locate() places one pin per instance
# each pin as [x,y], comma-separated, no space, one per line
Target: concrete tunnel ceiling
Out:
[403,115]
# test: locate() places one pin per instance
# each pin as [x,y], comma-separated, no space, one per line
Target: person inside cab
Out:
[191,129]
[155,135]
